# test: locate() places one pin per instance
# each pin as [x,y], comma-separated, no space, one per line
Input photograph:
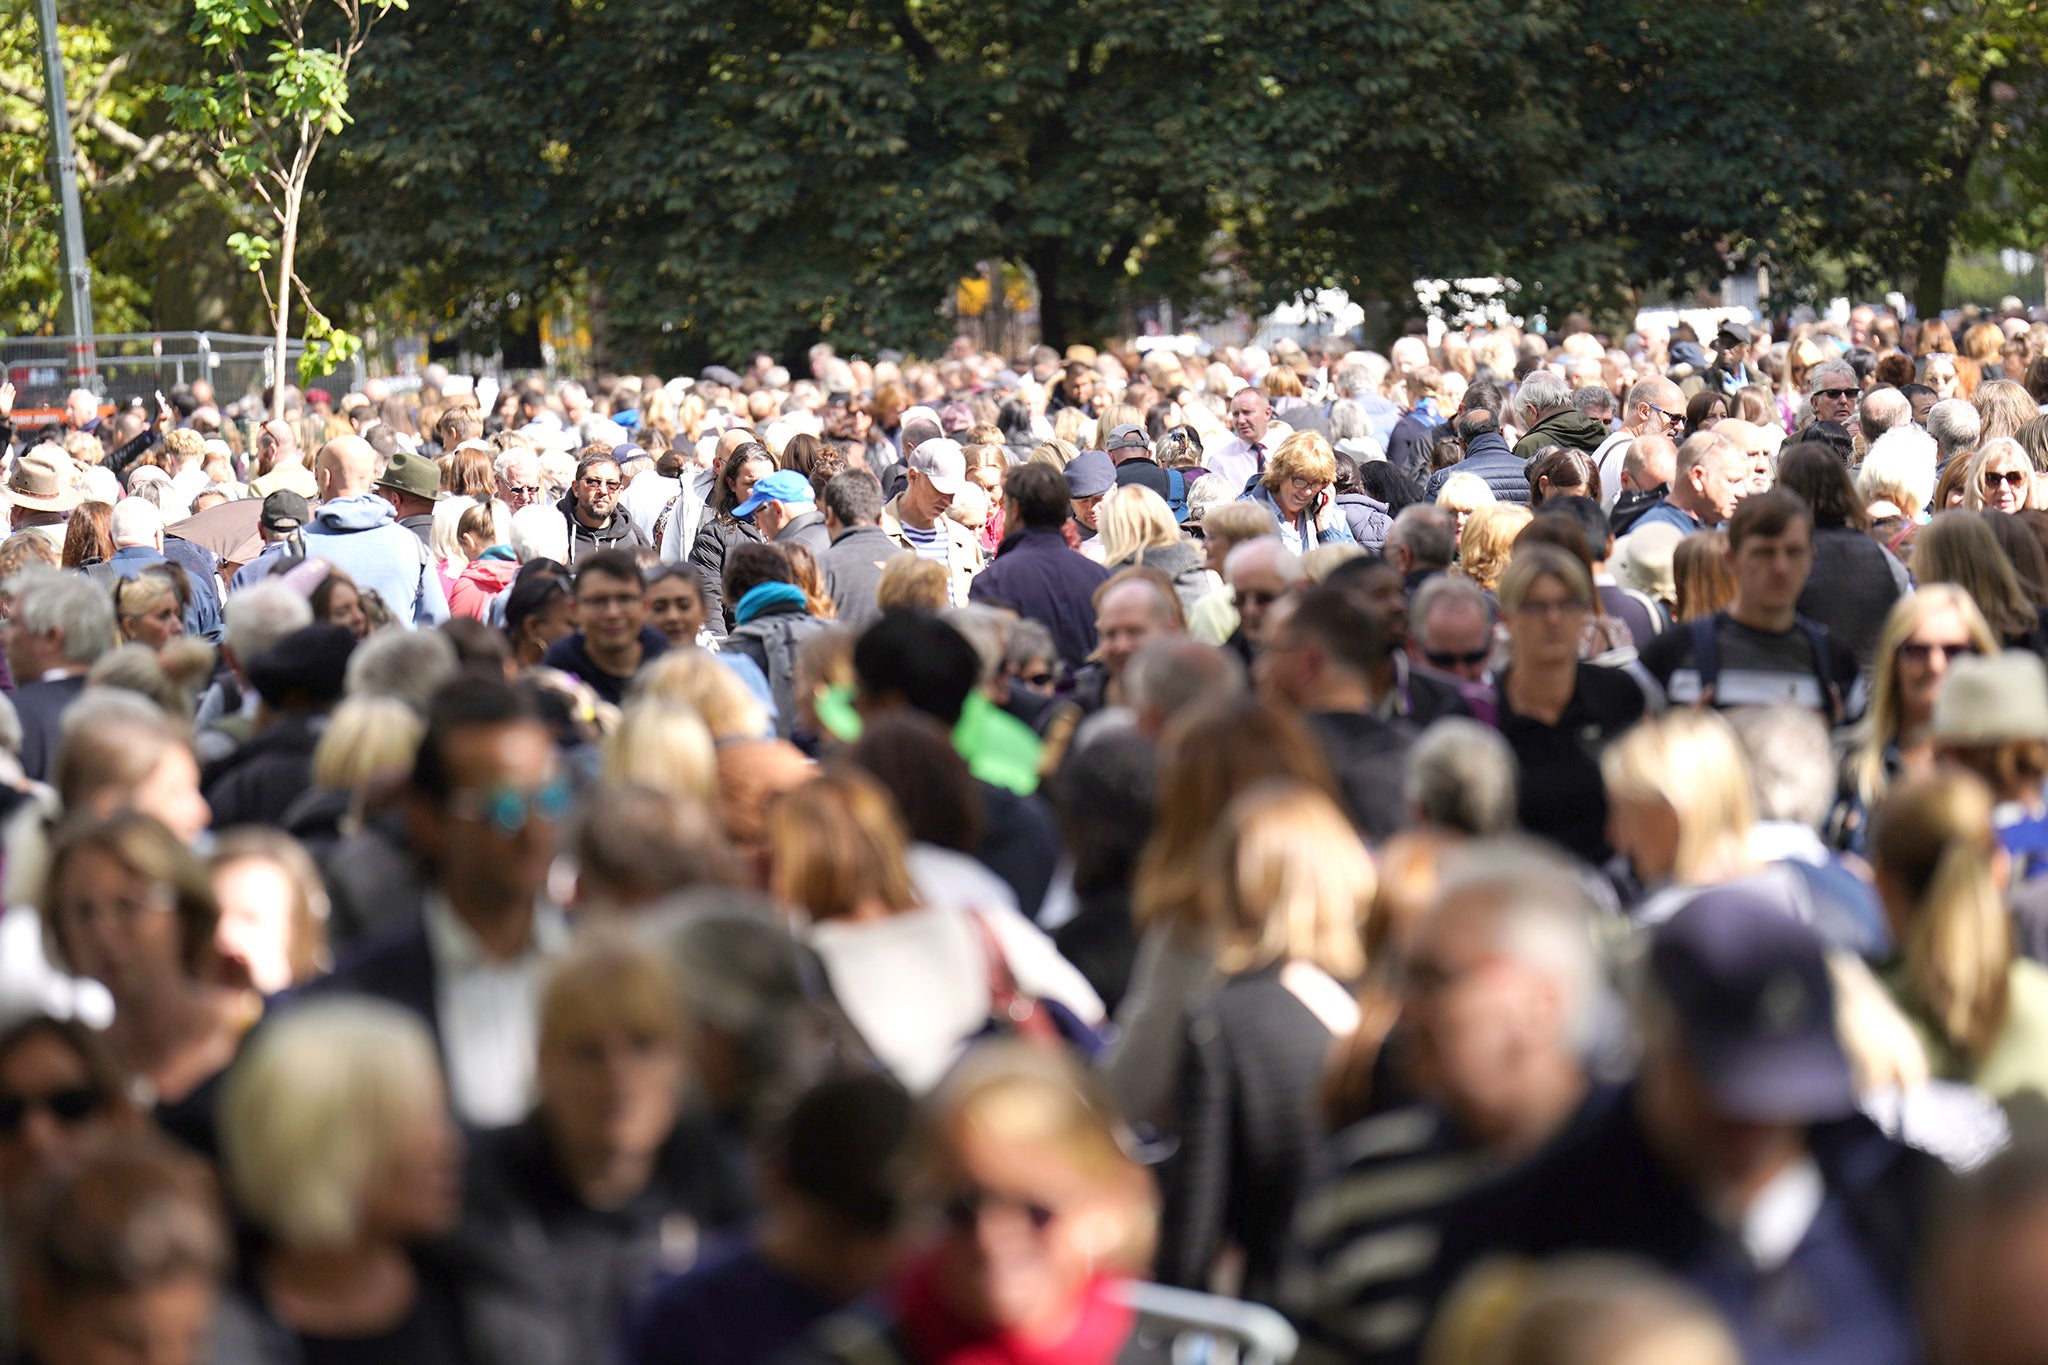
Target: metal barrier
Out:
[139,364]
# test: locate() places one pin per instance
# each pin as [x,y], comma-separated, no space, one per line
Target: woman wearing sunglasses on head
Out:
[1036,1215]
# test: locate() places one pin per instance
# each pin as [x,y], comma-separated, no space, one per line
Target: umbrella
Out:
[222,529]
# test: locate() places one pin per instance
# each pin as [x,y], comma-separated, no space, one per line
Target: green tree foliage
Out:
[715,176]
[141,181]
[274,88]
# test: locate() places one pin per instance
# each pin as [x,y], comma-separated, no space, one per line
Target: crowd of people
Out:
[1523,849]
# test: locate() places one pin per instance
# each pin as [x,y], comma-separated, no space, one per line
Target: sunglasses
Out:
[72,1105]
[2014,477]
[1920,652]
[963,1211]
[1444,658]
[507,809]
[1037,679]
[1838,393]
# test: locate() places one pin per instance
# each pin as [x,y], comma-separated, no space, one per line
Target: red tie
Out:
[1259,454]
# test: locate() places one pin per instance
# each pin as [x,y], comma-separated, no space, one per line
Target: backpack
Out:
[776,637]
[1706,656]
[1177,494]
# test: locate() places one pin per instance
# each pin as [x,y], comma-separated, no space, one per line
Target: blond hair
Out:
[608,977]
[1879,729]
[369,740]
[1465,492]
[314,1109]
[696,679]
[1488,541]
[1037,1098]
[663,748]
[1691,762]
[912,583]
[1132,520]
[1933,836]
[1289,881]
[837,843]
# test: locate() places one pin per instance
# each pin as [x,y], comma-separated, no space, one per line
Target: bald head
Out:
[1882,409]
[1649,402]
[1652,462]
[346,468]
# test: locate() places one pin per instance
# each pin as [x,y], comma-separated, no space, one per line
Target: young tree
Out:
[279,89]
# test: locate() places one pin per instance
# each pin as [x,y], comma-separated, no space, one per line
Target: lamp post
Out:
[77,299]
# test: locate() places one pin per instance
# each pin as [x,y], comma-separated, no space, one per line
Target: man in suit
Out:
[61,625]
[483,809]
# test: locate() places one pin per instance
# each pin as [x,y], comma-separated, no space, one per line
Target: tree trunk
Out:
[1930,267]
[1052,308]
[288,247]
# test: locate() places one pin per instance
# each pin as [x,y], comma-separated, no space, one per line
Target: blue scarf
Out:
[762,596]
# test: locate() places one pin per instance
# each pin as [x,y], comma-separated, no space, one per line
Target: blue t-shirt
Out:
[733,1308]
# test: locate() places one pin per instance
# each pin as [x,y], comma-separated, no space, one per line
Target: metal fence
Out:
[139,364]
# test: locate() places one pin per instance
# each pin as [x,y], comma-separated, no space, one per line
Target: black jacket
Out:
[40,705]
[592,1264]
[1250,1067]
[716,535]
[1369,758]
[257,784]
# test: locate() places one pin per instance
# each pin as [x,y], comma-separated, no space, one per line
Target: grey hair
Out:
[1424,528]
[1595,401]
[539,532]
[1832,374]
[988,631]
[1541,392]
[1286,563]
[261,615]
[1348,420]
[1882,410]
[1545,918]
[409,665]
[1955,425]
[1029,640]
[1209,491]
[1447,589]
[1791,764]
[1170,675]
[1462,776]
[48,599]
[1355,379]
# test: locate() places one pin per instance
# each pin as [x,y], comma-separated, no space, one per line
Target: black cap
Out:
[1730,333]
[305,668]
[284,511]
[1755,1008]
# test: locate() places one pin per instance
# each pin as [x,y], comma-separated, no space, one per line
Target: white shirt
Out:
[1609,459]
[1237,462]
[486,1008]
[644,498]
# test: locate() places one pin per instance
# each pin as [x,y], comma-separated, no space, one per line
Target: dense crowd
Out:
[1526,849]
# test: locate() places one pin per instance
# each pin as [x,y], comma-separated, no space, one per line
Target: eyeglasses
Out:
[1920,651]
[74,1104]
[1846,395]
[507,809]
[1301,485]
[602,485]
[1037,679]
[1444,658]
[2014,477]
[963,1211]
[1567,606]
[1667,416]
[513,490]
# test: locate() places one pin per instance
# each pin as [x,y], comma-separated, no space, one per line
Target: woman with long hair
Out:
[1289,888]
[1959,548]
[1981,1010]
[745,466]
[1922,638]
[917,973]
[1210,755]
[1137,530]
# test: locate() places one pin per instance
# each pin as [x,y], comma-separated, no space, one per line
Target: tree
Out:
[280,91]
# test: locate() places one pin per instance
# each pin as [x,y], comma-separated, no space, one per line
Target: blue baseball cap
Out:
[784,485]
[1755,1008]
